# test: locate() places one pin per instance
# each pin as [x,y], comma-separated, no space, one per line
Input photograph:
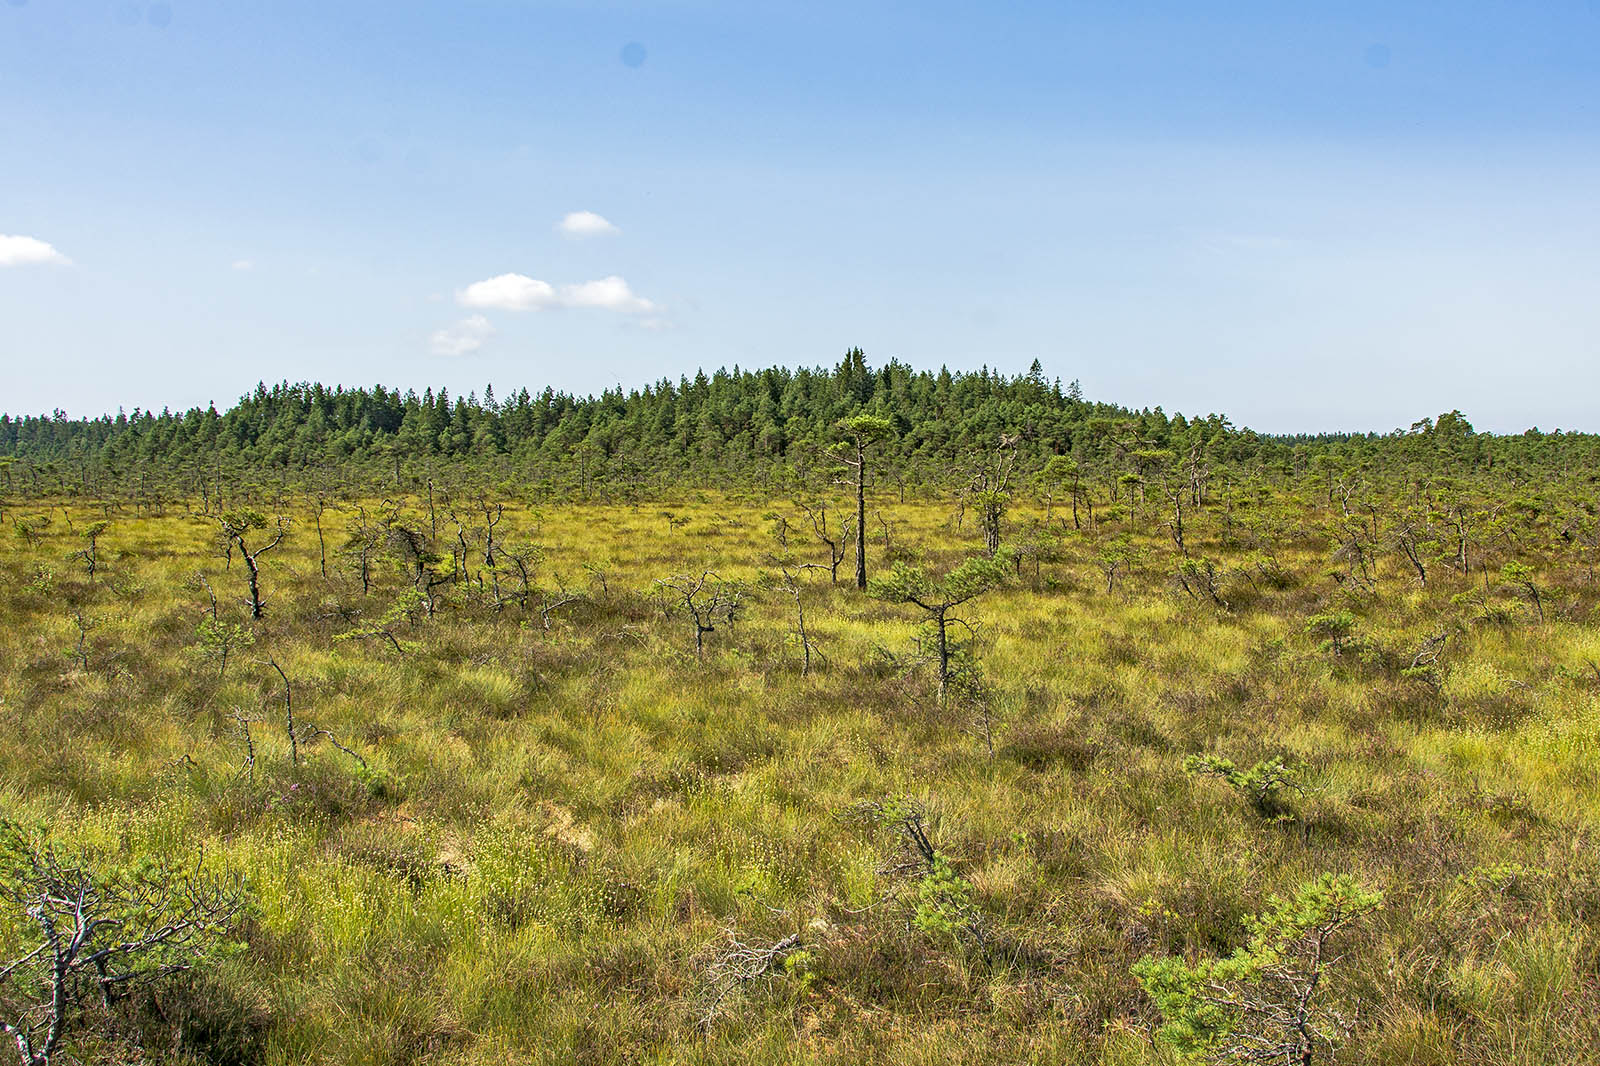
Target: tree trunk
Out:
[322,547]
[256,609]
[861,516]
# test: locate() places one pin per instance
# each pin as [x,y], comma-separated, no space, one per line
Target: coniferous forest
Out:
[746,428]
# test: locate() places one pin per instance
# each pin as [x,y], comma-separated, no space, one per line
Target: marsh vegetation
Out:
[1159,746]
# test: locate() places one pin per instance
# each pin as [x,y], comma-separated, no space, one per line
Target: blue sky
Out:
[1308,216]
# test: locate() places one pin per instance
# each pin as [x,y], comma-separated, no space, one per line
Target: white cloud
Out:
[611,293]
[24,251]
[586,224]
[518,292]
[509,292]
[244,264]
[463,338]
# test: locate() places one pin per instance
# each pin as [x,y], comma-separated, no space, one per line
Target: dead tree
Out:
[96,935]
[550,602]
[312,733]
[236,525]
[742,964]
[1461,521]
[288,713]
[248,769]
[790,584]
[1198,471]
[319,503]
[298,733]
[1409,541]
[1352,548]
[1175,526]
[706,600]
[81,650]
[458,554]
[493,515]
[836,541]
[521,560]
[1200,577]
[211,593]
[1425,662]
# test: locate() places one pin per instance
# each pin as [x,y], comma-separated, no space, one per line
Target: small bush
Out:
[1335,629]
[1263,784]
[1266,1001]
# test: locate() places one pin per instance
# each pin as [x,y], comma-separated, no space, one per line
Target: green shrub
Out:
[1263,784]
[1267,1001]
[1336,630]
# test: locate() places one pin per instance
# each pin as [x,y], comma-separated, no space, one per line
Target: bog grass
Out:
[556,831]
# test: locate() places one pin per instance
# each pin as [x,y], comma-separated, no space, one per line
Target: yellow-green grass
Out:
[556,830]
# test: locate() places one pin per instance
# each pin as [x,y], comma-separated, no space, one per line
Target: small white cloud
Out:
[509,292]
[244,264]
[518,292]
[26,251]
[463,338]
[611,293]
[657,324]
[586,224]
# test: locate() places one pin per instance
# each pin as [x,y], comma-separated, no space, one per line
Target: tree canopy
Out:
[735,427]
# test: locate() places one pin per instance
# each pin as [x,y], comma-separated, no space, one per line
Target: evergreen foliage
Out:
[729,427]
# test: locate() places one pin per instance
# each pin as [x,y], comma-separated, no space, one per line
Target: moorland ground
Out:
[524,821]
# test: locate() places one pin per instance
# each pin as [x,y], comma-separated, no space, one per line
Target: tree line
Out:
[731,428]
